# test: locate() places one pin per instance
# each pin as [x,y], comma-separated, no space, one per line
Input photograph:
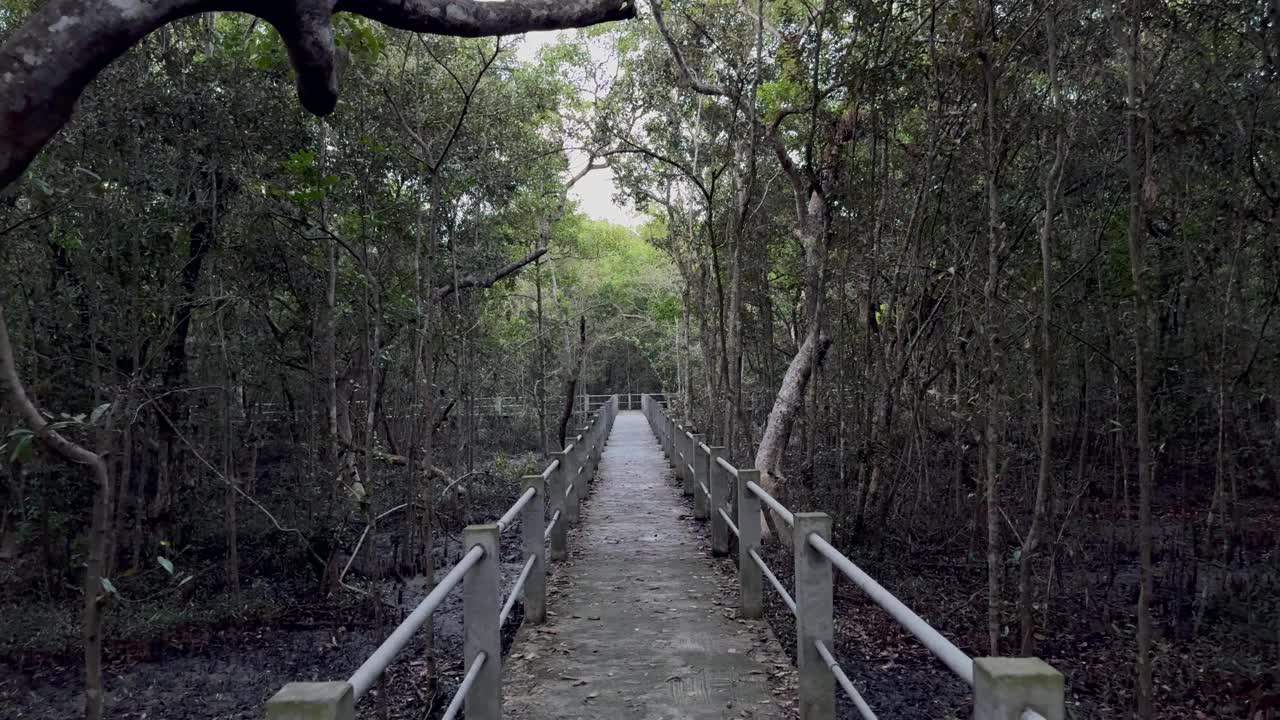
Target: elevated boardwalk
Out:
[641,629]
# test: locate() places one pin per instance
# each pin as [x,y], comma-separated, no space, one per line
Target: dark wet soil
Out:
[229,674]
[896,676]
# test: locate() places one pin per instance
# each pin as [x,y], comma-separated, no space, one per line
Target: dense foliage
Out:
[994,283]
[1011,271]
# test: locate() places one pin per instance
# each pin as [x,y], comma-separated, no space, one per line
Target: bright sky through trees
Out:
[595,192]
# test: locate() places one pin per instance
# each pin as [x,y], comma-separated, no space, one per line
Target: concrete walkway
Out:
[642,626]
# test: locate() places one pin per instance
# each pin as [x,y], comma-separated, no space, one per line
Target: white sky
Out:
[594,192]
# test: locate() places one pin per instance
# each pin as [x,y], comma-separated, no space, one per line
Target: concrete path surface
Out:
[641,625]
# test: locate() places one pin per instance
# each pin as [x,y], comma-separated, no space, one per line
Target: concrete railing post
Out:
[604,421]
[533,523]
[690,461]
[313,701]
[572,481]
[813,618]
[555,494]
[750,579]
[719,486]
[677,446]
[480,598]
[1005,687]
[597,447]
[590,436]
[701,475]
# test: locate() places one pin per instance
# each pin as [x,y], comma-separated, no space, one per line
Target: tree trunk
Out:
[1052,182]
[229,468]
[990,293]
[786,405]
[95,593]
[571,381]
[1136,165]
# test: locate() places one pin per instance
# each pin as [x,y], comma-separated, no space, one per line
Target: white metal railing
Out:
[559,489]
[1003,688]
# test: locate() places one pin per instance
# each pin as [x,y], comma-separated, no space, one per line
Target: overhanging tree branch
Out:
[488,281]
[48,61]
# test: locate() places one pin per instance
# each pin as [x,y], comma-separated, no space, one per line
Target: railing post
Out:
[593,457]
[690,461]
[701,476]
[480,598]
[597,447]
[1005,687]
[813,617]
[677,445]
[607,420]
[571,481]
[533,523]
[750,580]
[313,701]
[718,484]
[559,532]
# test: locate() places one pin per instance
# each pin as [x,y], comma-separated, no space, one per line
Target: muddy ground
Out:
[229,673]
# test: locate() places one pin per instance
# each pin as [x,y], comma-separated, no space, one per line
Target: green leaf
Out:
[165,563]
[106,585]
[21,449]
[98,413]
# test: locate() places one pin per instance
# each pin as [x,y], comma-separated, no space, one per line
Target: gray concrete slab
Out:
[640,624]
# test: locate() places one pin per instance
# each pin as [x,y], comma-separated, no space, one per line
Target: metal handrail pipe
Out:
[515,590]
[546,474]
[778,508]
[505,521]
[727,467]
[464,687]
[705,491]
[729,522]
[773,580]
[546,535]
[863,709]
[369,672]
[703,447]
[1030,714]
[942,648]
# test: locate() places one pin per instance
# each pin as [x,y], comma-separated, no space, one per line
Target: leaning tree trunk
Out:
[95,594]
[571,382]
[782,417]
